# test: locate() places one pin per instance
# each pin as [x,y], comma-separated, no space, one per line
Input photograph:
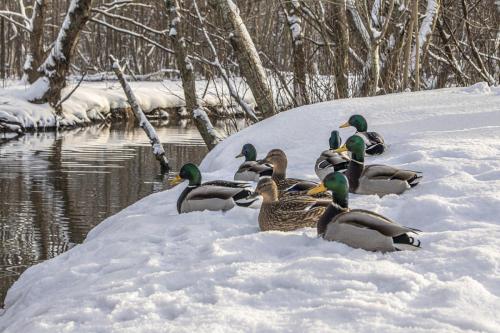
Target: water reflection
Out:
[55,187]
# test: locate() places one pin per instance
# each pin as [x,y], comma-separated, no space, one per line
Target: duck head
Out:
[277,158]
[337,183]
[249,152]
[356,145]
[357,121]
[267,189]
[335,140]
[188,172]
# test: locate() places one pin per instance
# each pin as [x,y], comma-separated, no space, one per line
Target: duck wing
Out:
[379,171]
[227,183]
[215,192]
[366,219]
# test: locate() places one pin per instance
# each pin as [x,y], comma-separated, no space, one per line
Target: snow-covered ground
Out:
[148,269]
[94,101]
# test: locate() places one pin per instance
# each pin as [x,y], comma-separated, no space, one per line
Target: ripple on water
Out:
[55,187]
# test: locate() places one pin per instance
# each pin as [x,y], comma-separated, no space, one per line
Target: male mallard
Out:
[330,161]
[288,212]
[359,228]
[251,170]
[277,158]
[375,179]
[215,195]
[373,141]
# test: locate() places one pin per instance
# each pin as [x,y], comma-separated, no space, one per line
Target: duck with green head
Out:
[374,143]
[375,179]
[214,195]
[329,160]
[359,228]
[251,169]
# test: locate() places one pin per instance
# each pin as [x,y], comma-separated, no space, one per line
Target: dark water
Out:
[55,187]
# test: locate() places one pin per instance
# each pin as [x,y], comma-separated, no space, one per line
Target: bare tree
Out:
[248,58]
[47,88]
[200,117]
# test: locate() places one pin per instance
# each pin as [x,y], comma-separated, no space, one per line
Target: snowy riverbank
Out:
[94,101]
[148,269]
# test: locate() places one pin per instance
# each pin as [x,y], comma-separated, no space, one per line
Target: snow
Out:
[148,269]
[93,101]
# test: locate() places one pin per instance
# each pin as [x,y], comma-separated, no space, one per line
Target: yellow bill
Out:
[345,125]
[317,189]
[176,180]
[341,149]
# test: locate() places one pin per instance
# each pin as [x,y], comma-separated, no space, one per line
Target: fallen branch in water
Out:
[158,150]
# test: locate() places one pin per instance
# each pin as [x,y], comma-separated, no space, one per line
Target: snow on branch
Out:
[158,150]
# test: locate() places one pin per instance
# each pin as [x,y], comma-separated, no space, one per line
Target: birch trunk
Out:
[248,58]
[47,88]
[210,136]
[158,150]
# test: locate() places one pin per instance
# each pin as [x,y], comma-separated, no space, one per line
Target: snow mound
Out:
[147,269]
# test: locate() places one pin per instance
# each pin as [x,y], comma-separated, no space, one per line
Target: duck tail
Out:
[244,198]
[413,181]
[405,242]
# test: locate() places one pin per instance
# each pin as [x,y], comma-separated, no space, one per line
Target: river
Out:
[56,186]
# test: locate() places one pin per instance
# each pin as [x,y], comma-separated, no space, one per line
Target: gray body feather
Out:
[366,230]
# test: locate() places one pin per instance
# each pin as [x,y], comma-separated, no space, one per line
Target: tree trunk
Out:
[248,58]
[200,117]
[416,71]
[35,53]
[47,88]
[342,27]
[2,48]
[374,75]
[298,54]
[158,150]
[408,47]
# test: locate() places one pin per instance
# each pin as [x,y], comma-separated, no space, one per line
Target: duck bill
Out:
[317,189]
[345,125]
[239,155]
[342,149]
[176,180]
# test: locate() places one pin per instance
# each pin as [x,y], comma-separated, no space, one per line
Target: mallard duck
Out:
[214,195]
[374,143]
[292,186]
[375,179]
[330,161]
[359,228]
[288,212]
[251,169]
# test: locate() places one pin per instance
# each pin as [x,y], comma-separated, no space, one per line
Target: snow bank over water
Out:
[147,269]
[94,101]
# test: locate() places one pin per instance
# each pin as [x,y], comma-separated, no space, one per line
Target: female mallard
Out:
[215,195]
[373,141]
[285,185]
[251,170]
[330,161]
[359,228]
[288,212]
[375,179]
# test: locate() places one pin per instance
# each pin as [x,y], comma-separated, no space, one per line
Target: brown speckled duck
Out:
[289,212]
[277,158]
